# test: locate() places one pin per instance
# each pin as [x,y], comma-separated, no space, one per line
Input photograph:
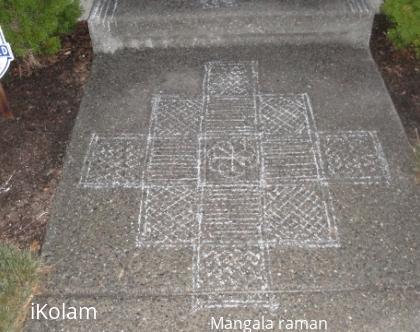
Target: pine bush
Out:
[405,17]
[34,26]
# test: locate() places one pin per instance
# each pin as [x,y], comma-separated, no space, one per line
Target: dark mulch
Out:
[46,103]
[401,72]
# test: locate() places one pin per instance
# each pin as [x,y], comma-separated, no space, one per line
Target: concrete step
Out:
[142,24]
[237,181]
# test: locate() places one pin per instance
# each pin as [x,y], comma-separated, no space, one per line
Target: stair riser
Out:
[110,35]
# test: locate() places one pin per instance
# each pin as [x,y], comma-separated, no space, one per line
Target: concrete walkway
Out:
[236,182]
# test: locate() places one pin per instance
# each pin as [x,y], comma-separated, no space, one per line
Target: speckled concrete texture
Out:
[308,210]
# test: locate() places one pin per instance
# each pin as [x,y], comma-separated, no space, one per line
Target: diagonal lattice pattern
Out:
[284,115]
[168,216]
[232,276]
[297,214]
[176,116]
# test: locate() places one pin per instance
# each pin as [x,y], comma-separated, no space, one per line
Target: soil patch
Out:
[45,102]
[401,72]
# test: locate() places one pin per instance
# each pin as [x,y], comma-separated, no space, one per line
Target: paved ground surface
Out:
[270,181]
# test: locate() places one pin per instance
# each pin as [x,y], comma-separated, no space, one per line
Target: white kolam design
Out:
[113,161]
[232,175]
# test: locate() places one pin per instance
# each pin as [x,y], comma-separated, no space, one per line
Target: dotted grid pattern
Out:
[231,175]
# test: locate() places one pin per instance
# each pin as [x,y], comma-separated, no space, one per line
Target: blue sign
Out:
[6,55]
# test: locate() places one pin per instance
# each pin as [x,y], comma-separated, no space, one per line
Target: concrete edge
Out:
[86,8]
[376,5]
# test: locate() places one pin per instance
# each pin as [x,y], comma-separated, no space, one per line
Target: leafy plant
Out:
[19,274]
[33,26]
[405,17]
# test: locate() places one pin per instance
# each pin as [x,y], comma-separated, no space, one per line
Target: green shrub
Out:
[19,275]
[405,16]
[34,26]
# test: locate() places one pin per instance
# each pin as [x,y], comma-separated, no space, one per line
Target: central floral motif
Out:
[232,159]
